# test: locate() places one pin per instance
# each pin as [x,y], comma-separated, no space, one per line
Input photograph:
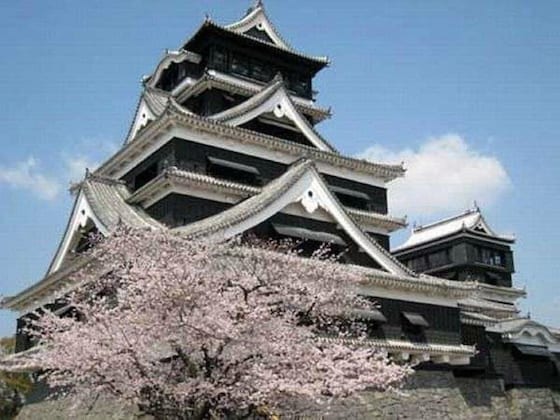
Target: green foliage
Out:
[13,386]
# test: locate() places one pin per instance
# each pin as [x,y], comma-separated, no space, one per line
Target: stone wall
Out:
[428,395]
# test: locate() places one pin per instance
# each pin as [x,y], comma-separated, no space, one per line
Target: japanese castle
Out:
[224,141]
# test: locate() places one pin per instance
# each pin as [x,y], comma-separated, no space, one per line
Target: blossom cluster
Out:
[192,328]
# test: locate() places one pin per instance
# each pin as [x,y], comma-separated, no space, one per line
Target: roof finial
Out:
[257,4]
[475,206]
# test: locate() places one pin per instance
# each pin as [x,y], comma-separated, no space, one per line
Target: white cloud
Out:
[76,166]
[25,175]
[444,176]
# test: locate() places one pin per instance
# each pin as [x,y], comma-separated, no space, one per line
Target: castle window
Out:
[219,59]
[371,315]
[490,257]
[232,171]
[182,72]
[306,234]
[299,84]
[415,320]
[146,175]
[261,71]
[438,259]
[240,65]
[351,198]
[418,264]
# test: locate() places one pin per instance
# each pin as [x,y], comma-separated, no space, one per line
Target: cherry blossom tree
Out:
[199,329]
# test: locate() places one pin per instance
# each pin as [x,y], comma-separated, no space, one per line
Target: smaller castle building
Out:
[464,248]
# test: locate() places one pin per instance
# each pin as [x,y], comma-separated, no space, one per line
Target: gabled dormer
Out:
[256,24]
[174,70]
[463,248]
[273,112]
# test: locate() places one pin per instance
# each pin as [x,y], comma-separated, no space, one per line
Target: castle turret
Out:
[462,248]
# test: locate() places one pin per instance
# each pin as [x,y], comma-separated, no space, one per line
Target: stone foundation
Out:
[428,395]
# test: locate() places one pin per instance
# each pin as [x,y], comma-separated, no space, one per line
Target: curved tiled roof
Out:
[252,207]
[107,199]
[156,101]
[208,23]
[471,220]
[176,114]
[275,87]
[169,58]
[391,345]
[256,16]
[217,79]
[478,303]
[247,208]
[243,190]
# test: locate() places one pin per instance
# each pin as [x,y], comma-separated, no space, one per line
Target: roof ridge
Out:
[90,176]
[213,224]
[467,212]
[209,22]
[276,85]
[212,75]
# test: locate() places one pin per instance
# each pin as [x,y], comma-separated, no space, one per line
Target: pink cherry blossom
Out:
[195,328]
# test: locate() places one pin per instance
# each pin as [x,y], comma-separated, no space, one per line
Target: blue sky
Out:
[466,92]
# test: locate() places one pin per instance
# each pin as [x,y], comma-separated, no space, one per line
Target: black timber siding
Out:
[177,72]
[193,156]
[23,339]
[464,261]
[521,370]
[352,254]
[214,100]
[211,41]
[178,210]
[445,324]
[272,130]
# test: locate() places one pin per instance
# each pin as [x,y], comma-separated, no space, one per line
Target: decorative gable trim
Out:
[81,213]
[300,184]
[258,19]
[171,57]
[273,99]
[213,79]
[527,332]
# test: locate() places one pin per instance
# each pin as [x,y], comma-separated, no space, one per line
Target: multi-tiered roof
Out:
[224,142]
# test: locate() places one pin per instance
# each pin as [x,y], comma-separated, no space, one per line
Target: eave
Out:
[405,250]
[302,184]
[175,115]
[495,309]
[209,27]
[170,57]
[168,181]
[275,100]
[408,351]
[420,284]
[213,79]
[41,292]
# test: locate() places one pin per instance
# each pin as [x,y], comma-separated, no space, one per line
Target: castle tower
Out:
[225,141]
[463,248]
